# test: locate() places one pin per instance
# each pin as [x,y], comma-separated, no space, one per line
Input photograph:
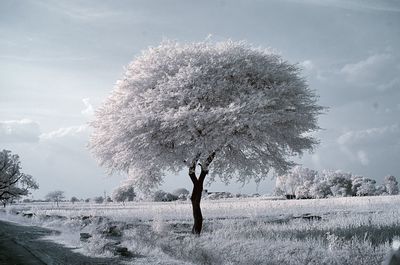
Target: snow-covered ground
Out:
[350,230]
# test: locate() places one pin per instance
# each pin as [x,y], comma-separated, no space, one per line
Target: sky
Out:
[60,59]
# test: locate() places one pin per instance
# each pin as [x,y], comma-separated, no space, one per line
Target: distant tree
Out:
[99,199]
[307,183]
[303,190]
[391,184]
[109,199]
[227,109]
[296,181]
[162,196]
[124,193]
[87,200]
[13,183]
[320,189]
[381,190]
[74,199]
[356,183]
[181,192]
[340,182]
[278,191]
[367,187]
[288,183]
[282,185]
[55,196]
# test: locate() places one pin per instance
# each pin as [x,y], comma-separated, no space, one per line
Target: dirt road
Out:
[23,245]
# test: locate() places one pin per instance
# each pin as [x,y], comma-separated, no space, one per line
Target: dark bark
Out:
[197,191]
[197,216]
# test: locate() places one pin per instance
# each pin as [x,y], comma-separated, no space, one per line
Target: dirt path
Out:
[22,245]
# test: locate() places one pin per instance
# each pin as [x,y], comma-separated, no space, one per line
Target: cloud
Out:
[360,5]
[88,111]
[370,135]
[378,141]
[80,11]
[359,68]
[307,65]
[380,71]
[64,132]
[61,160]
[362,157]
[55,58]
[19,131]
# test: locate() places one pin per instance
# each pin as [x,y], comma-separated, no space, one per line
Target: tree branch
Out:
[204,167]
[206,164]
[192,169]
[7,192]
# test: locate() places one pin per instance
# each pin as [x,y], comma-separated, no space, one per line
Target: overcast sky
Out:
[60,59]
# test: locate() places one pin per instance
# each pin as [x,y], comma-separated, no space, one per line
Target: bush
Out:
[182,194]
[99,199]
[162,196]
[74,199]
[181,191]
[219,195]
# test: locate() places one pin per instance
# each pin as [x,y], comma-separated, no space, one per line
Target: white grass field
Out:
[350,230]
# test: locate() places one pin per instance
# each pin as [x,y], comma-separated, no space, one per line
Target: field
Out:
[350,230]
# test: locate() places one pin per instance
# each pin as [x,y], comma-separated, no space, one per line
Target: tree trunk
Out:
[197,216]
[197,190]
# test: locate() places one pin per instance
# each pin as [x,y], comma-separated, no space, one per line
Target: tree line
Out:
[305,183]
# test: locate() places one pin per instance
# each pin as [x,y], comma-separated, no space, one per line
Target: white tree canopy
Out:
[179,103]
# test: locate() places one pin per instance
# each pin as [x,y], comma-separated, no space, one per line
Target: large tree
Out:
[226,110]
[13,183]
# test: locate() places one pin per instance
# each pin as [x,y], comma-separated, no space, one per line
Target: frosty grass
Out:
[352,230]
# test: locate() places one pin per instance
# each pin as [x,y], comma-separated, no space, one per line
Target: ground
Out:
[23,245]
[351,230]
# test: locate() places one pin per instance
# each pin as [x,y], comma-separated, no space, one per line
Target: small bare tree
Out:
[55,196]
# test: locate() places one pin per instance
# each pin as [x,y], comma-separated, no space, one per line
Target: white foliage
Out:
[391,184]
[306,183]
[362,186]
[296,180]
[339,182]
[367,188]
[179,102]
[123,193]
